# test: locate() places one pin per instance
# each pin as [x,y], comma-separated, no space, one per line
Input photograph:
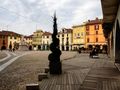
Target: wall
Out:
[116,44]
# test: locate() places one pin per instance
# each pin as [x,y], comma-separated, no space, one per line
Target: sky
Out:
[25,16]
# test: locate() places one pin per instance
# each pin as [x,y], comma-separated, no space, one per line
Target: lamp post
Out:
[54,57]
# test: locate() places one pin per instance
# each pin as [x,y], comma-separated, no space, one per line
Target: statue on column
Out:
[54,58]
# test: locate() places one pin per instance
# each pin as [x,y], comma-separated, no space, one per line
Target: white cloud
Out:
[54,5]
[24,15]
[89,10]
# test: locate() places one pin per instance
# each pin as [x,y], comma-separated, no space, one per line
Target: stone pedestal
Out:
[23,47]
[32,86]
[42,76]
[46,70]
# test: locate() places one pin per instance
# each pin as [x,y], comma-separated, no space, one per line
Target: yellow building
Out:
[65,37]
[94,34]
[37,40]
[78,37]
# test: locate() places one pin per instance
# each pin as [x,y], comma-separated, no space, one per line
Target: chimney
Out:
[96,18]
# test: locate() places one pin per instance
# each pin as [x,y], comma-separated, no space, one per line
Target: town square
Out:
[70,45]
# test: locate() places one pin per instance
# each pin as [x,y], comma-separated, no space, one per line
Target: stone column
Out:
[117,43]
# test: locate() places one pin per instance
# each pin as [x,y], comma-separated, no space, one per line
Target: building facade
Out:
[8,38]
[111,27]
[94,34]
[46,40]
[37,40]
[65,37]
[78,37]
[28,39]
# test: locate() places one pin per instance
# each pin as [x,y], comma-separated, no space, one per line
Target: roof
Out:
[46,34]
[30,36]
[65,30]
[75,26]
[96,21]
[7,33]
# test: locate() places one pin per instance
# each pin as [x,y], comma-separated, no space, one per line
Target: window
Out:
[15,37]
[3,37]
[67,39]
[62,35]
[96,39]
[3,42]
[75,35]
[47,42]
[87,28]
[88,40]
[47,36]
[62,41]
[87,33]
[96,32]
[10,37]
[81,33]
[67,35]
[78,34]
[96,27]
[63,30]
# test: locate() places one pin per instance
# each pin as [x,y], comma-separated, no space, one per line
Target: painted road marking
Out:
[2,67]
[8,56]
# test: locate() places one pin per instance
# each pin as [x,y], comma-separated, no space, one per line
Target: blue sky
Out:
[25,16]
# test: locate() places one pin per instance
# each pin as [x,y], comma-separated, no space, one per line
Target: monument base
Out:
[23,48]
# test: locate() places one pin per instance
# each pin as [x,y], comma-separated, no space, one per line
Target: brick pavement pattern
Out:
[79,73]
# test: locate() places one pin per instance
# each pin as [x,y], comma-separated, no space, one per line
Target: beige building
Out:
[14,39]
[37,40]
[28,39]
[65,37]
[78,37]
[46,40]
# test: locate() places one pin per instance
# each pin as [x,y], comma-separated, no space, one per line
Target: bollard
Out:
[46,70]
[42,76]
[32,86]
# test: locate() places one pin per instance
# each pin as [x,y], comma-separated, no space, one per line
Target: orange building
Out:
[94,34]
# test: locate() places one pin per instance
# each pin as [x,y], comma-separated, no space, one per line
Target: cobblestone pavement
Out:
[79,73]
[2,55]
[25,68]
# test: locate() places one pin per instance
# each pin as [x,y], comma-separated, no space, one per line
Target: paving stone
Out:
[32,86]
